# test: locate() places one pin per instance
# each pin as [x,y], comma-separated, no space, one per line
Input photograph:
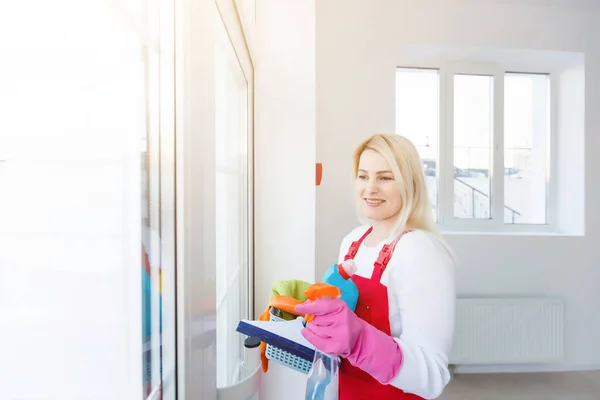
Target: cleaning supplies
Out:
[285,294]
[323,378]
[283,303]
[339,275]
[321,290]
[280,304]
[293,288]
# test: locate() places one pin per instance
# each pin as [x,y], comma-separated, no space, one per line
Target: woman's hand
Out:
[334,329]
[338,331]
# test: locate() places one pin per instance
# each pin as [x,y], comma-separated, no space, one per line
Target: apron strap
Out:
[355,245]
[384,257]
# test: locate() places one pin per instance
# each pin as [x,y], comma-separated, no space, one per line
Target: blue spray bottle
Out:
[323,375]
[339,275]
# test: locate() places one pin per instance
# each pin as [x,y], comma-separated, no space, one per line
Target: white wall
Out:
[357,49]
[285,146]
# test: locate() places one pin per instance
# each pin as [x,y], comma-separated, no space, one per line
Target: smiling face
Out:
[378,193]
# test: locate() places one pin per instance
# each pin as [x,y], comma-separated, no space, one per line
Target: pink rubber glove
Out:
[338,331]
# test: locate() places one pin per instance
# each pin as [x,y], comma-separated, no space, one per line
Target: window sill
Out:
[508,232]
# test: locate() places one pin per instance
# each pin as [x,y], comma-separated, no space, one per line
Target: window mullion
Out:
[497,167]
[446,156]
[441,151]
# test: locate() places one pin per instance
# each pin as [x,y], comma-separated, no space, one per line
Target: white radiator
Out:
[508,331]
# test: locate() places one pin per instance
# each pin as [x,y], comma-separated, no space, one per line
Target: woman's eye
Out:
[386,178]
[362,177]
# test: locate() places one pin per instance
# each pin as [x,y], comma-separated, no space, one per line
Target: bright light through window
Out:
[72,112]
[417,118]
[472,132]
[526,144]
[473,186]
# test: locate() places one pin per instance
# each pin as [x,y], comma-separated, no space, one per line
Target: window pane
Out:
[473,127]
[70,251]
[231,206]
[151,246]
[417,118]
[526,139]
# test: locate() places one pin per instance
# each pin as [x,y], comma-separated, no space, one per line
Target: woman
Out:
[396,344]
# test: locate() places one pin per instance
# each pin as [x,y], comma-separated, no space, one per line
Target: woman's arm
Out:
[422,278]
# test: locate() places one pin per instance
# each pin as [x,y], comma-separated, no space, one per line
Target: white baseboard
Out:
[498,369]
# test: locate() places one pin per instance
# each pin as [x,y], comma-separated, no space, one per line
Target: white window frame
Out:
[236,36]
[446,221]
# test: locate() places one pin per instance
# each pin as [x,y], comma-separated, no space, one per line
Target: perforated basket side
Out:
[283,357]
[287,359]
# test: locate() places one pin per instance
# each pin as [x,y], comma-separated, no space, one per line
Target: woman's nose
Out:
[371,187]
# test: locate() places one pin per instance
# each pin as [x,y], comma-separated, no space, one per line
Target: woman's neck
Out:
[381,231]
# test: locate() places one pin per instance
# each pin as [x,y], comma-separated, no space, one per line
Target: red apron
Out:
[372,307]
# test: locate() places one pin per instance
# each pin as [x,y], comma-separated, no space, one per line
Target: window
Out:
[526,144]
[87,232]
[417,111]
[232,194]
[157,197]
[484,138]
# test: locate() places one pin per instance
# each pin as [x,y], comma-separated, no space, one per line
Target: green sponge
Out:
[291,288]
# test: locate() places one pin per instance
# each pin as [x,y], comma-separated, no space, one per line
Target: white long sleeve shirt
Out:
[421,295]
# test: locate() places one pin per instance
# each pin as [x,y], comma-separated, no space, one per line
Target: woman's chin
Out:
[374,216]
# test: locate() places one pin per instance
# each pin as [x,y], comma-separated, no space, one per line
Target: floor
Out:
[538,386]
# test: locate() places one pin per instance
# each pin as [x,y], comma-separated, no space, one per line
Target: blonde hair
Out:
[407,167]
